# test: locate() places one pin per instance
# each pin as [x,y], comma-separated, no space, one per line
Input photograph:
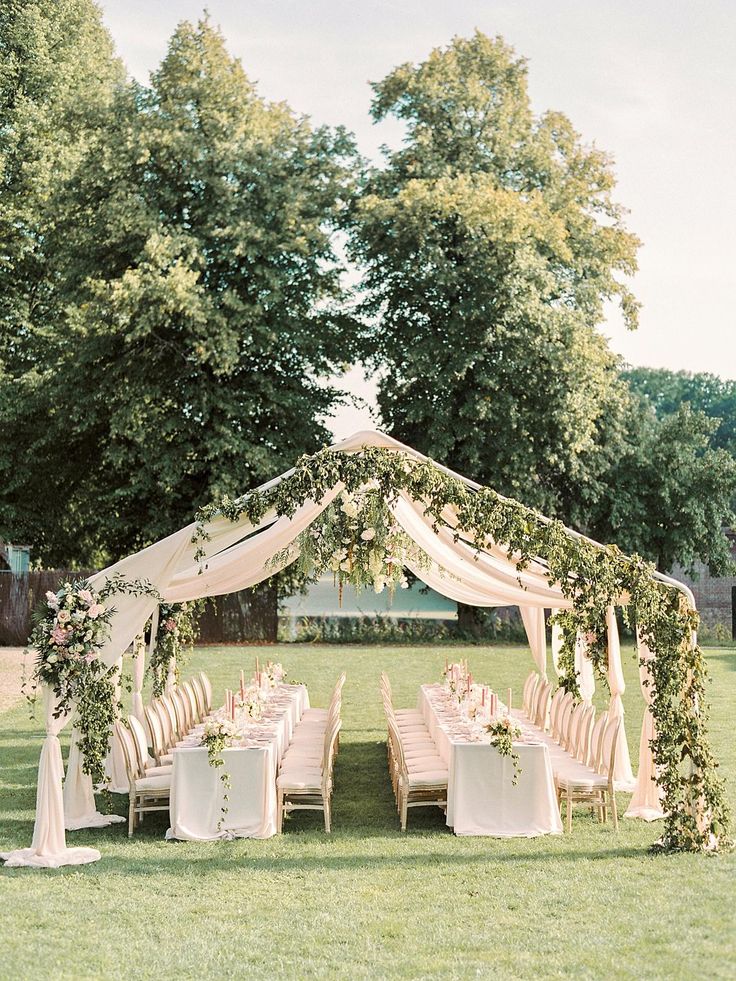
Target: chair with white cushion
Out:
[306,786]
[146,793]
[581,785]
[419,781]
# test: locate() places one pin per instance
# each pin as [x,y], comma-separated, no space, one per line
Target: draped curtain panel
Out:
[646,802]
[623,775]
[534,624]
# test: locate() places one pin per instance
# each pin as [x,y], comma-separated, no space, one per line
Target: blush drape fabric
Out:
[535,626]
[48,847]
[80,809]
[646,802]
[584,668]
[623,775]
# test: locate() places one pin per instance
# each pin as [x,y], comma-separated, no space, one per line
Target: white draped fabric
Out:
[584,669]
[240,554]
[623,774]
[646,802]
[48,848]
[556,645]
[534,624]
[80,809]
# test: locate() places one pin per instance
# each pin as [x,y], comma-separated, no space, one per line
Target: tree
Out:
[58,73]
[202,310]
[669,491]
[490,243]
[668,390]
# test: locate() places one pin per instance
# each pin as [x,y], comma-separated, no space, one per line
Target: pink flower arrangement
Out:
[59,636]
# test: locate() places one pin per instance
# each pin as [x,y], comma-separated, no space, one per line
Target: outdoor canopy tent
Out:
[240,554]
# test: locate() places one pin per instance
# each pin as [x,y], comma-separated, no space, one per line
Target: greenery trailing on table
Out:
[592,577]
[175,636]
[218,735]
[71,628]
[503,731]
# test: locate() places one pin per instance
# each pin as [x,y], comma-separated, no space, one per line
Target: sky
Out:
[653,84]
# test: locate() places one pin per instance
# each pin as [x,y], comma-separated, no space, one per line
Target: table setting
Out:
[501,782]
[224,771]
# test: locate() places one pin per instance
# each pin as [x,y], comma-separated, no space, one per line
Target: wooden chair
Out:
[592,789]
[526,691]
[309,788]
[420,782]
[147,766]
[159,743]
[146,793]
[207,689]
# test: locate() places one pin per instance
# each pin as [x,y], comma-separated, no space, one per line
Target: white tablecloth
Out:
[197,790]
[481,798]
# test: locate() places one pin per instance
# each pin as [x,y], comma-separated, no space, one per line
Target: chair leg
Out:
[131,815]
[404,808]
[279,811]
[614,810]
[568,816]
[327,815]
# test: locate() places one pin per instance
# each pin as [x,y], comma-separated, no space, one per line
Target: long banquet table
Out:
[481,798]
[197,790]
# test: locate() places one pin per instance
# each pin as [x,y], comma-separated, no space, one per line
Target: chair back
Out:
[198,689]
[207,688]
[530,693]
[525,692]
[176,699]
[190,698]
[328,754]
[541,717]
[565,715]
[554,707]
[130,754]
[571,741]
[397,746]
[141,743]
[613,727]
[169,719]
[584,730]
[155,731]
[596,743]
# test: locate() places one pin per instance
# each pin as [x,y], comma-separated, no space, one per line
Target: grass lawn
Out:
[367,901]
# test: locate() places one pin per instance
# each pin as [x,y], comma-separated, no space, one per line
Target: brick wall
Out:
[713,596]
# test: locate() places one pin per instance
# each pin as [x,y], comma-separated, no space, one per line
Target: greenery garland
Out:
[503,732]
[218,735]
[592,577]
[175,636]
[71,628]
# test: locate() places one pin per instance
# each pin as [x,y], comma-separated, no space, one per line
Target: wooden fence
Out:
[250,616]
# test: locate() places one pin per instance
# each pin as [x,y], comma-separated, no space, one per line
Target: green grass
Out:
[367,901]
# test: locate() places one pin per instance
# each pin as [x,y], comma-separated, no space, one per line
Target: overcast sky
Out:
[652,83]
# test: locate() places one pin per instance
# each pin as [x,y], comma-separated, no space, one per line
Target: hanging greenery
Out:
[356,539]
[175,636]
[71,628]
[592,577]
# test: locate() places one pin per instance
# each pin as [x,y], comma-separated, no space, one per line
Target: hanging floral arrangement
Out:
[71,628]
[175,636]
[358,540]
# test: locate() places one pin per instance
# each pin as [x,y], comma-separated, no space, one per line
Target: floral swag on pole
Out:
[71,628]
[175,636]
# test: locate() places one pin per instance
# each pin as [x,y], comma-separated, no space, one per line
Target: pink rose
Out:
[95,610]
[86,596]
[170,625]
[59,636]
[63,616]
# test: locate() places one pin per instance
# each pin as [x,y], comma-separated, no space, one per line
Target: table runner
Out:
[481,798]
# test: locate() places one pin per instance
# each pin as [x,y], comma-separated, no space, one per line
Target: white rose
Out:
[368,535]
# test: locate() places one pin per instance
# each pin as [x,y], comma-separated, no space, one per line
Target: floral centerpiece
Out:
[250,702]
[218,735]
[503,731]
[71,628]
[274,673]
[456,679]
